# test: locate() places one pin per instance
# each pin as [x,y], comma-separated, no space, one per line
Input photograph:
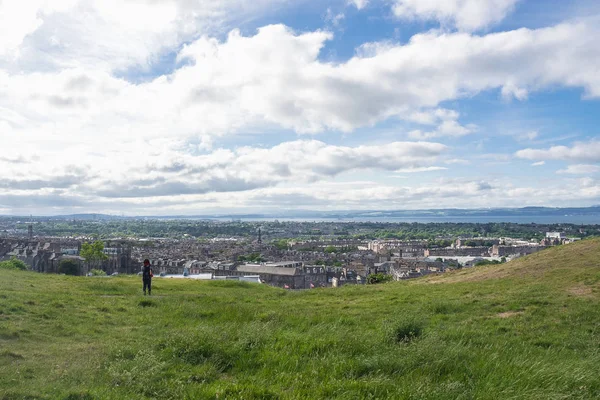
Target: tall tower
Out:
[259,236]
[30,228]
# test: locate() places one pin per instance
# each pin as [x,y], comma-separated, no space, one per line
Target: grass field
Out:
[528,329]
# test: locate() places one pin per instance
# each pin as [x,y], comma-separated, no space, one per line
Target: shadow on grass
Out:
[147,303]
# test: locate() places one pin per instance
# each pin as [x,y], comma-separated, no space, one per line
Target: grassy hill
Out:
[529,329]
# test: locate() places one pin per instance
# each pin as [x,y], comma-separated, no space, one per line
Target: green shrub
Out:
[487,262]
[13,263]
[378,278]
[404,331]
[68,267]
[98,272]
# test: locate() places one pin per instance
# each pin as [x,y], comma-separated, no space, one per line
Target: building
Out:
[289,278]
[315,276]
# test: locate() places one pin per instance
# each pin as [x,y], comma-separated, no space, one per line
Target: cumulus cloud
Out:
[248,168]
[580,169]
[446,121]
[124,33]
[64,102]
[276,78]
[283,82]
[579,152]
[443,193]
[465,15]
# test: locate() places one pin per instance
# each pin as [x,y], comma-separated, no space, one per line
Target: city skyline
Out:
[198,107]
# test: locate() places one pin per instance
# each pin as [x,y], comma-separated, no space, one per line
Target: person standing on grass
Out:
[147,276]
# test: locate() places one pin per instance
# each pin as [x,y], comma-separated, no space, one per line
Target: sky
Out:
[195,107]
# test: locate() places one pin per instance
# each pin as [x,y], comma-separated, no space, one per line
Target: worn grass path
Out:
[529,329]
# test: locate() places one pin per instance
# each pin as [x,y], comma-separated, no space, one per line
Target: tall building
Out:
[30,228]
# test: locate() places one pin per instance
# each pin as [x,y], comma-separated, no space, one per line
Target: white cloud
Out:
[420,169]
[160,170]
[360,4]
[579,152]
[459,161]
[275,77]
[249,167]
[510,91]
[580,169]
[442,193]
[538,164]
[62,104]
[446,121]
[110,34]
[293,89]
[333,18]
[465,15]
[527,136]
[448,128]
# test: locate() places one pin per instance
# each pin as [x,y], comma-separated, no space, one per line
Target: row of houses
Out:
[46,256]
[284,274]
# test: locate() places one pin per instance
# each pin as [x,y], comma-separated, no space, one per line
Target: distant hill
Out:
[350,214]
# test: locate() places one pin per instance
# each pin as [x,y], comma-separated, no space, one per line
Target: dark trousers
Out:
[148,284]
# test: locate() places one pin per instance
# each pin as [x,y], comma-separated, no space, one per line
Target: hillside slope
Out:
[570,265]
[529,329]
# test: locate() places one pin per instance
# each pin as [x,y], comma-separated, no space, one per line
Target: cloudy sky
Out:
[210,106]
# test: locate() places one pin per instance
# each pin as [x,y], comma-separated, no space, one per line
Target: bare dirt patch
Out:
[509,314]
[581,291]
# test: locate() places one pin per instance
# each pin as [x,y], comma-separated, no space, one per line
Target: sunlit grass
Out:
[530,330]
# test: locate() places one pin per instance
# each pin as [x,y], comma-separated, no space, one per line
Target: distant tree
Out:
[486,262]
[281,244]
[98,272]
[254,257]
[13,263]
[68,267]
[93,253]
[330,249]
[378,278]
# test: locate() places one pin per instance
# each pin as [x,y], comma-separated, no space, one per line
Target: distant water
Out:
[529,219]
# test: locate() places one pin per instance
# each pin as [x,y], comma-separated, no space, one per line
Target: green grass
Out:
[528,329]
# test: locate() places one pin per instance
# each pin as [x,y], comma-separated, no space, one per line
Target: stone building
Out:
[289,278]
[315,276]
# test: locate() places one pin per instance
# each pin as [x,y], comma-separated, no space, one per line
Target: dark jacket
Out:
[147,272]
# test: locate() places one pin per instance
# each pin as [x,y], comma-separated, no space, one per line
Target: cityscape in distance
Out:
[299,199]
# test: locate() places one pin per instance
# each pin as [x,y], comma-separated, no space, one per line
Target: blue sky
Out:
[196,107]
